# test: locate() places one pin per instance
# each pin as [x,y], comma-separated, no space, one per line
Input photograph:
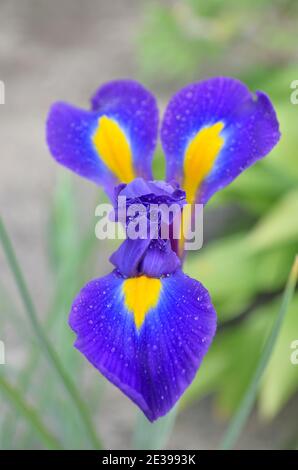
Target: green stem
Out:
[243,412]
[153,436]
[30,414]
[45,342]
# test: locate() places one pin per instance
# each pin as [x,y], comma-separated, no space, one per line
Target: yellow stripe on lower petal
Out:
[114,149]
[141,294]
[200,156]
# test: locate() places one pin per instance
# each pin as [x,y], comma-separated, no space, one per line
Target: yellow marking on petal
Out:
[141,294]
[200,156]
[113,148]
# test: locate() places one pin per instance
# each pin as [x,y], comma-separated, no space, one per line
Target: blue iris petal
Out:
[128,106]
[250,130]
[155,363]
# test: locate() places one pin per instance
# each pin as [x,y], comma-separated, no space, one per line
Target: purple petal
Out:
[128,112]
[153,363]
[250,130]
[159,260]
[155,258]
[160,190]
[128,256]
[69,132]
[135,108]
[156,204]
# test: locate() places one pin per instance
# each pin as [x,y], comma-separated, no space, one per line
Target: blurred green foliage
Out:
[182,40]
[71,257]
[244,268]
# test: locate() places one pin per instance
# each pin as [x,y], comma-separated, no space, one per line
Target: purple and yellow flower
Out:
[147,326]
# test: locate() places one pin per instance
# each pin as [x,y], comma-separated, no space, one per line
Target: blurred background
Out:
[63,50]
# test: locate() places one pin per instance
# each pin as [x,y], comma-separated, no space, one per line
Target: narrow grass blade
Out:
[69,279]
[30,414]
[239,420]
[45,342]
[153,436]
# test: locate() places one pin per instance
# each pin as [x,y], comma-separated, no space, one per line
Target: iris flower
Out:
[147,326]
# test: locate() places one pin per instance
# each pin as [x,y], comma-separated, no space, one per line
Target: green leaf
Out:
[238,421]
[272,267]
[228,367]
[257,188]
[158,165]
[71,266]
[64,222]
[279,226]
[235,272]
[29,413]
[167,46]
[280,381]
[153,436]
[218,267]
[45,343]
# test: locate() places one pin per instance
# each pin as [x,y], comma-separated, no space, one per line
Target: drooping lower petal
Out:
[129,255]
[148,336]
[212,131]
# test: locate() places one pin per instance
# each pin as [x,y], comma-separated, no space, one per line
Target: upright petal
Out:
[135,109]
[148,336]
[69,137]
[112,143]
[212,131]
